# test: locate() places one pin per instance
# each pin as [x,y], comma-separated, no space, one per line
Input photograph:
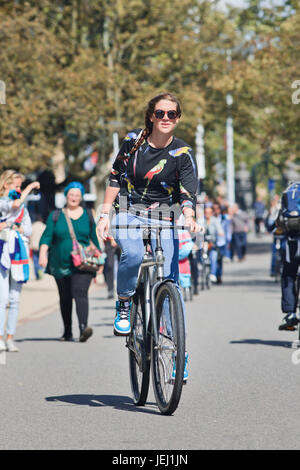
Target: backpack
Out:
[289,218]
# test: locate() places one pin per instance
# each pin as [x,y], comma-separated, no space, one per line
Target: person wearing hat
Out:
[55,256]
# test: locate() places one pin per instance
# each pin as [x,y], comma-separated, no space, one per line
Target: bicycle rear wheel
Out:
[168,356]
[139,351]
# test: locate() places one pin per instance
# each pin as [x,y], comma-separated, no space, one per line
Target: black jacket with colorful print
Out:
[153,177]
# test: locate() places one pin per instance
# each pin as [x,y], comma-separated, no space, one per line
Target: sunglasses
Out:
[160,114]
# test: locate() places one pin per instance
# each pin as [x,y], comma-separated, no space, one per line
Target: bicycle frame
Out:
[149,261]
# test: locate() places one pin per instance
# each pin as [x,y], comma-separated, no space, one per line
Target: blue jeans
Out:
[132,246]
[288,281]
[213,257]
[10,291]
[239,244]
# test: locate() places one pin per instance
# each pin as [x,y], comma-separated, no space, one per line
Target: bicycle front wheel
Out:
[168,356]
[139,362]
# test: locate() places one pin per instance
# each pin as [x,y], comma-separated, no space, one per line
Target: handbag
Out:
[84,258]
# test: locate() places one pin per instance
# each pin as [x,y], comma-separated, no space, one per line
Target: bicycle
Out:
[157,338]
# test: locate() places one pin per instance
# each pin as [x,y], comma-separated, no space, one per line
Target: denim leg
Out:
[13,311]
[132,252]
[288,282]
[213,256]
[4,294]
[273,257]
[220,257]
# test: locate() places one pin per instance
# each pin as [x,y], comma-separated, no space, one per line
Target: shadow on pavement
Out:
[281,344]
[115,401]
[256,248]
[37,339]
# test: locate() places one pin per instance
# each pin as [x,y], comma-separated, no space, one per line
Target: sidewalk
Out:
[40,297]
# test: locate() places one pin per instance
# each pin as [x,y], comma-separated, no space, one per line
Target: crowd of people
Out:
[153,167]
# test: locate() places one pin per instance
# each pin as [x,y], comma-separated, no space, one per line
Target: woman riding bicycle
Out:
[153,171]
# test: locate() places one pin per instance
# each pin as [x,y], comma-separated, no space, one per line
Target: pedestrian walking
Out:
[15,230]
[221,239]
[240,226]
[55,256]
[288,221]
[153,170]
[259,212]
[215,231]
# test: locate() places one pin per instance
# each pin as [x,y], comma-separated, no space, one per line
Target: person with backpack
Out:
[55,255]
[288,221]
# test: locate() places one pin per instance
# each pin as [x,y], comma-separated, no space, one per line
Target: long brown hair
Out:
[7,177]
[148,123]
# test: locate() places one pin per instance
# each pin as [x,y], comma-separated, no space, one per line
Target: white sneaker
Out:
[10,346]
[213,278]
[2,345]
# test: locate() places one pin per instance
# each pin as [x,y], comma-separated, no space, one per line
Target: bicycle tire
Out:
[170,348]
[139,351]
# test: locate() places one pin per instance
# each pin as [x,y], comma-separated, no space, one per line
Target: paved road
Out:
[242,393]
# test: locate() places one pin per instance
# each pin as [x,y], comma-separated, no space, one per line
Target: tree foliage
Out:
[78,70]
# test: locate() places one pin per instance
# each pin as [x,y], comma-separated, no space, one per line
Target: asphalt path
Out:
[242,392]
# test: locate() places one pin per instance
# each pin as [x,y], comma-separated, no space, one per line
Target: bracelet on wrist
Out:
[104,215]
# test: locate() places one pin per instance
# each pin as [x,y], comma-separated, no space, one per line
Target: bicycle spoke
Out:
[139,365]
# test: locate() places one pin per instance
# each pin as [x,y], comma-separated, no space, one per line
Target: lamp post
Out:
[200,155]
[230,153]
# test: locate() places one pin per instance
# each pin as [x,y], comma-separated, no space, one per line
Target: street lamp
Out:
[230,153]
[200,155]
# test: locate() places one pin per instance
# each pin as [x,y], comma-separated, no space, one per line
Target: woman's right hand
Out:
[103,228]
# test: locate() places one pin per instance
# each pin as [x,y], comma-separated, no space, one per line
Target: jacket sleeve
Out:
[47,235]
[26,224]
[188,181]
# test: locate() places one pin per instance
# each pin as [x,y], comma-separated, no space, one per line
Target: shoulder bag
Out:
[84,258]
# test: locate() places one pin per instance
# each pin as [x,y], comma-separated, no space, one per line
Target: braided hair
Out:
[148,123]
